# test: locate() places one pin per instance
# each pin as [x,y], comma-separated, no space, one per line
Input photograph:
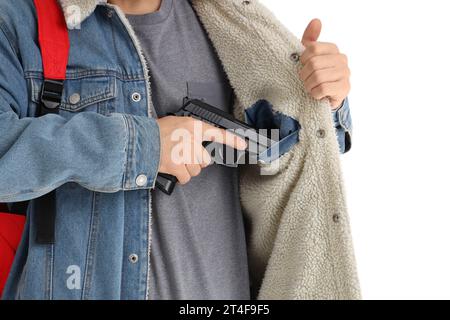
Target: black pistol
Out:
[257,142]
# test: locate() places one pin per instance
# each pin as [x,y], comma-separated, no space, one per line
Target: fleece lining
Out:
[300,245]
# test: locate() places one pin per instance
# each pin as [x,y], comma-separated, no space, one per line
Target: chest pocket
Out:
[87,94]
[218,94]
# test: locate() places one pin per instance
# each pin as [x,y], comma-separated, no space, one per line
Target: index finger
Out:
[213,134]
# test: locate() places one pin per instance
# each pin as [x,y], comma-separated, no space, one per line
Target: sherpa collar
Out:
[76,11]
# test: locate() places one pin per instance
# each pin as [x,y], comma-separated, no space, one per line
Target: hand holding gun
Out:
[219,153]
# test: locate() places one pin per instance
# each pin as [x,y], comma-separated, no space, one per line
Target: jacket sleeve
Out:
[344,126]
[37,155]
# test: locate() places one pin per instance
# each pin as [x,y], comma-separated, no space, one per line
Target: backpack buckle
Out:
[51,96]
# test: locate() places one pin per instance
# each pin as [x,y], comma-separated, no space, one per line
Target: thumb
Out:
[312,32]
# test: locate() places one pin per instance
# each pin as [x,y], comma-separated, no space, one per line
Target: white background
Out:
[397,175]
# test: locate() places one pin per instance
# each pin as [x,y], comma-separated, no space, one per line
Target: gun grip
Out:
[166,183]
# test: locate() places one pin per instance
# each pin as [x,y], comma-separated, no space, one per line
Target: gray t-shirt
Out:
[198,238]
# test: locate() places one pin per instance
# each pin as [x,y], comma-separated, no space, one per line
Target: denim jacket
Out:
[100,153]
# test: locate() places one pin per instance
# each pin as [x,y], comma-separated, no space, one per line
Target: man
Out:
[114,239]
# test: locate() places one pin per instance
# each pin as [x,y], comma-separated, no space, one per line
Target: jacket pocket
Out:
[86,94]
[282,128]
[217,94]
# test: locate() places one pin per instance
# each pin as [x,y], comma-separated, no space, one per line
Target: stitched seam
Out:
[20,196]
[107,95]
[8,36]
[91,248]
[48,295]
[130,152]
[37,74]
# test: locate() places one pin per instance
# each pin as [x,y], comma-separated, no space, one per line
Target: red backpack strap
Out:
[54,44]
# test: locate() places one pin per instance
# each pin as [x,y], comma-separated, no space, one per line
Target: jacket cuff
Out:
[143,153]
[344,127]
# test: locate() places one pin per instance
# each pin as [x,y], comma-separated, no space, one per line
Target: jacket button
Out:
[295,57]
[321,133]
[141,180]
[134,258]
[336,218]
[136,97]
[74,98]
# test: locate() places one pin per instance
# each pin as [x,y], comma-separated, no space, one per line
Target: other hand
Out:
[325,71]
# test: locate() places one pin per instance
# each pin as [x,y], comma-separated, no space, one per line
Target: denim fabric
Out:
[344,126]
[92,153]
[262,116]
